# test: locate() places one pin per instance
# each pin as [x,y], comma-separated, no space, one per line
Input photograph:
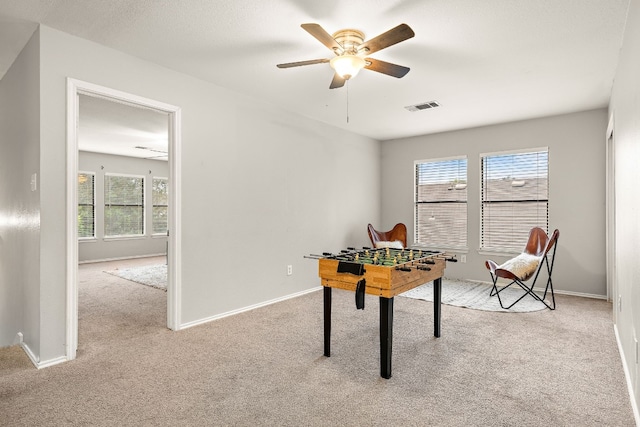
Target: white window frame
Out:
[459,249]
[153,205]
[507,251]
[95,210]
[104,202]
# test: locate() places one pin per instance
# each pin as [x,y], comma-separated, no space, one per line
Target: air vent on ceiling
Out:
[423,106]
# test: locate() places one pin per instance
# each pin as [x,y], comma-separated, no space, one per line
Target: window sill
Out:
[87,240]
[115,238]
[159,236]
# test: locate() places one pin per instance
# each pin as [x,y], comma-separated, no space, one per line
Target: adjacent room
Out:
[199,201]
[123,186]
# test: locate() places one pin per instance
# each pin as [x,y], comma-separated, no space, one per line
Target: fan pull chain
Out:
[347,101]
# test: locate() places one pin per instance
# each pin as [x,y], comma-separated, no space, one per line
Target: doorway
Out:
[612,290]
[75,89]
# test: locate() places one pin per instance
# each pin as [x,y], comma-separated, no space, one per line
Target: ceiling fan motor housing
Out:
[349,39]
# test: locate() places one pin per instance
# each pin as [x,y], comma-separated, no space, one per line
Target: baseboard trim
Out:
[575,294]
[627,377]
[541,290]
[317,288]
[92,261]
[52,362]
[36,361]
[248,308]
[30,354]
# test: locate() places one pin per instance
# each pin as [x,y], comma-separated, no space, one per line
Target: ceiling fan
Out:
[351,52]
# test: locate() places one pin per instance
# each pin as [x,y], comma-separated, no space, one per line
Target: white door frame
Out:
[612,290]
[74,88]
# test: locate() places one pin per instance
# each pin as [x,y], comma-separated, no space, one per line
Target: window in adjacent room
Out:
[441,203]
[515,198]
[86,205]
[123,205]
[159,199]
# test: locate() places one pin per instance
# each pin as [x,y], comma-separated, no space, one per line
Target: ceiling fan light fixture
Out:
[347,66]
[351,50]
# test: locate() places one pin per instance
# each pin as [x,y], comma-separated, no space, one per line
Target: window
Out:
[86,205]
[515,198]
[159,198]
[123,205]
[441,203]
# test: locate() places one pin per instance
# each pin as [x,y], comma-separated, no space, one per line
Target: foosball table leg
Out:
[437,306]
[327,321]
[386,336]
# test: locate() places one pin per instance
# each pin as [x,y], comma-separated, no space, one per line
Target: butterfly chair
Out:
[526,265]
[394,238]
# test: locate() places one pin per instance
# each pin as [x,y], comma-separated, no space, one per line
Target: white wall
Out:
[104,249]
[19,206]
[625,108]
[576,198]
[261,187]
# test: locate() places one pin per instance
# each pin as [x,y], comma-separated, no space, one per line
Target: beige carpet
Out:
[265,367]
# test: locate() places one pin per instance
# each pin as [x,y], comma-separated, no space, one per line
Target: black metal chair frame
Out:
[528,290]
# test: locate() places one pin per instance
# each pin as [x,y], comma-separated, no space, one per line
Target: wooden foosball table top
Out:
[387,271]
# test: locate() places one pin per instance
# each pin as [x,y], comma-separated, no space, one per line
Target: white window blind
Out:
[515,198]
[86,205]
[159,199]
[123,205]
[441,203]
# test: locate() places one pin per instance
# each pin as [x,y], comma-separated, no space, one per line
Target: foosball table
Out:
[384,272]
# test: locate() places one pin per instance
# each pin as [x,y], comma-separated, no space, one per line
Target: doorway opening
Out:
[612,288]
[75,91]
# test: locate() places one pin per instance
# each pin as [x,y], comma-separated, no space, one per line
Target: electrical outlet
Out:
[463,258]
[289,270]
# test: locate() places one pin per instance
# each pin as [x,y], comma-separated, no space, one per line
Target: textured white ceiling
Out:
[486,61]
[106,126]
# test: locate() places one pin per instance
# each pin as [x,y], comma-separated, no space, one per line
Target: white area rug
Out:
[151,275]
[476,295]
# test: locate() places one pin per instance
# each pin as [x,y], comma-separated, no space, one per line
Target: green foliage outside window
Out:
[86,206]
[123,206]
[160,199]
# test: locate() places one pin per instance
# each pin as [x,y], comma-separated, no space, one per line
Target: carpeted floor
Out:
[265,367]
